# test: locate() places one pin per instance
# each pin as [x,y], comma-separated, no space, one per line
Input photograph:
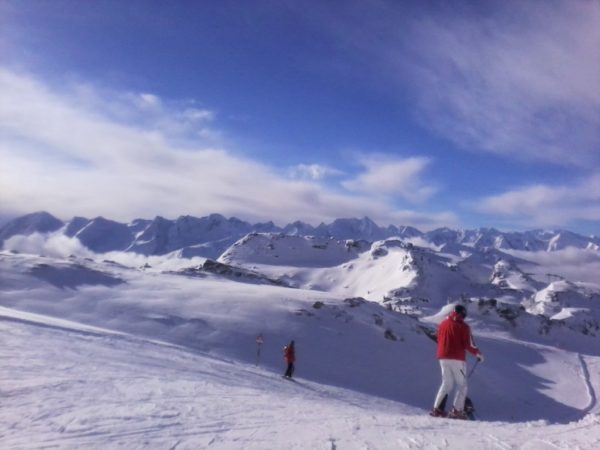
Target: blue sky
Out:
[460,114]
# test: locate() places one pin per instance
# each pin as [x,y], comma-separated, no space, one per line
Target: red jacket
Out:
[289,354]
[454,337]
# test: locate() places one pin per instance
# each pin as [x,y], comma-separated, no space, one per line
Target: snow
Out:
[276,249]
[87,388]
[124,350]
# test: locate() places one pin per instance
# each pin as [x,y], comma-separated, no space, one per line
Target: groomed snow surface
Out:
[97,355]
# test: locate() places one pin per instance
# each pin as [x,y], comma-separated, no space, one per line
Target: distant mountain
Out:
[535,240]
[75,225]
[39,222]
[566,239]
[207,236]
[102,235]
[405,231]
[299,229]
[363,228]
[212,235]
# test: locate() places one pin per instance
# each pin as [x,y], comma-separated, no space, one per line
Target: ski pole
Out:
[473,369]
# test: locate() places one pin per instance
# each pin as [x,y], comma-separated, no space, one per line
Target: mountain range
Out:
[402,268]
[212,235]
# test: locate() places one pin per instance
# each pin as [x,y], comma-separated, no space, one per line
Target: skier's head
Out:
[460,310]
[291,343]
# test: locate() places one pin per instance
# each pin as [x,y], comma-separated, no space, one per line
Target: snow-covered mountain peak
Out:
[507,275]
[103,235]
[38,222]
[564,239]
[284,250]
[363,228]
[404,231]
[441,236]
[75,225]
[298,228]
[381,248]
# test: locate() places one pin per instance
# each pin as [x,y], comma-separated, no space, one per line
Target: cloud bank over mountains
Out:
[546,205]
[84,150]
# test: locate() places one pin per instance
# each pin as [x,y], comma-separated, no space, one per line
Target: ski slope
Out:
[69,386]
[99,354]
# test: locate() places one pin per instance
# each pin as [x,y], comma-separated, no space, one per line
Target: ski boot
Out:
[457,414]
[437,412]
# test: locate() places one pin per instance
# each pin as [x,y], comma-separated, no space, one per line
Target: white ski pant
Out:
[454,373]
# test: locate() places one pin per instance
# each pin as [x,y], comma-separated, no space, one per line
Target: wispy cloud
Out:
[147,101]
[384,175]
[58,245]
[518,79]
[524,87]
[313,172]
[80,150]
[572,263]
[542,205]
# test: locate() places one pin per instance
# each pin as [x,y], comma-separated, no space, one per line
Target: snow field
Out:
[83,388]
[99,355]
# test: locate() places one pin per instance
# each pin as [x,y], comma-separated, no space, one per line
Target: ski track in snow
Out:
[585,374]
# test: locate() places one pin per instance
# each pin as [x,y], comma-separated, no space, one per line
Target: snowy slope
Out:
[574,304]
[218,315]
[67,385]
[282,250]
[349,343]
[87,388]
[507,275]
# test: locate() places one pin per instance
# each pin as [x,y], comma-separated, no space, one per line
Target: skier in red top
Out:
[289,354]
[454,337]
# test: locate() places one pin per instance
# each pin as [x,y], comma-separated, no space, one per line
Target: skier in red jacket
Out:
[289,354]
[454,337]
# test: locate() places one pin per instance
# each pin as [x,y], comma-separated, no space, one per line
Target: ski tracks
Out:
[585,375]
[498,443]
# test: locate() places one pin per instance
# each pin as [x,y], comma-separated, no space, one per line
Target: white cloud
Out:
[198,115]
[392,177]
[148,101]
[313,172]
[541,205]
[60,246]
[572,263]
[83,151]
[52,245]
